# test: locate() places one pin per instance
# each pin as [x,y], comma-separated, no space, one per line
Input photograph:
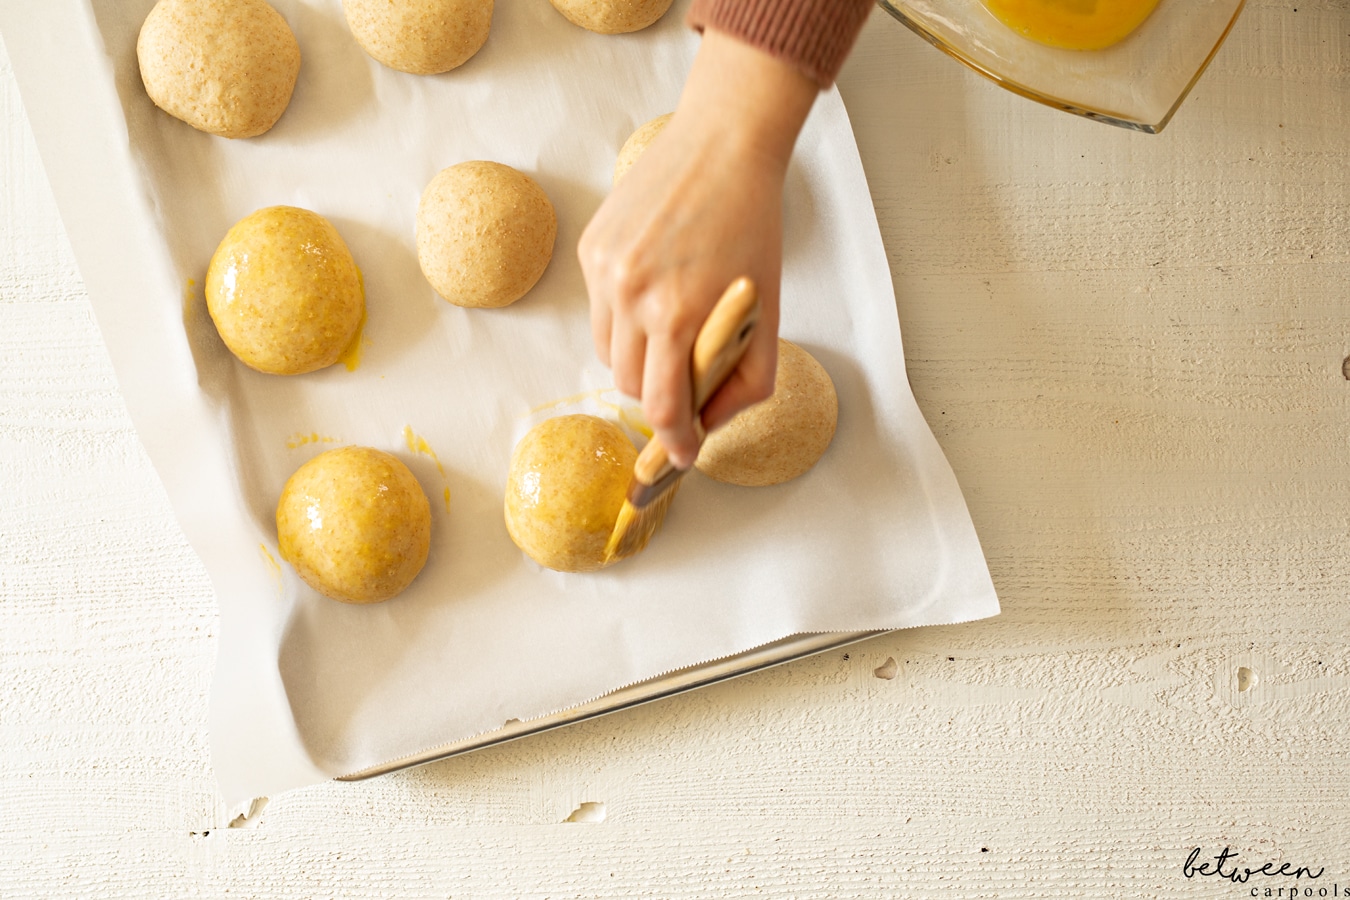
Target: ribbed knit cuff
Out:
[813,35]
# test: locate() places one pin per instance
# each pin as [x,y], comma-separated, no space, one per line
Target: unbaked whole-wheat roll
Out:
[612,16]
[355,524]
[637,144]
[783,437]
[284,291]
[485,233]
[568,479]
[424,37]
[226,67]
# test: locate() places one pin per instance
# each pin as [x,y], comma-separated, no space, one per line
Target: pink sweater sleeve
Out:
[813,35]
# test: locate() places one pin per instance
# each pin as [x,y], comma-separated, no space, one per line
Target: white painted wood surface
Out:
[1130,348]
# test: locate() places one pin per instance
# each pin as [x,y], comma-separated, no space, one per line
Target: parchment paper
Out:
[876,536]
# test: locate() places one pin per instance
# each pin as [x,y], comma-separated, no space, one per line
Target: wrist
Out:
[746,97]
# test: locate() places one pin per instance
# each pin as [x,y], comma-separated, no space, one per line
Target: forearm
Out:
[743,97]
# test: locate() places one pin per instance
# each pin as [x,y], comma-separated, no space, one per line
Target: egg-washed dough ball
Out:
[424,37]
[637,144]
[284,292]
[781,438]
[355,524]
[569,476]
[226,67]
[484,233]
[612,16]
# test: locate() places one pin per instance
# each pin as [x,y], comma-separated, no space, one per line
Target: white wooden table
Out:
[1131,349]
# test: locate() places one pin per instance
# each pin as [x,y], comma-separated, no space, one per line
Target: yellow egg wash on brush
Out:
[1072,24]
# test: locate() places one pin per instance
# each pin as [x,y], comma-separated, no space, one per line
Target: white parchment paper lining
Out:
[876,536]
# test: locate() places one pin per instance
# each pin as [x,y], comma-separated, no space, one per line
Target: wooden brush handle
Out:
[718,349]
[722,340]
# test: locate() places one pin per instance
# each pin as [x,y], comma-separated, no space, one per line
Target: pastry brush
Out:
[718,349]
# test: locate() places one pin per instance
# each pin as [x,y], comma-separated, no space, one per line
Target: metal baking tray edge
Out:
[766,656]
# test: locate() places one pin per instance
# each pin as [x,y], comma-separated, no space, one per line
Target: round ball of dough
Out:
[568,479]
[612,16]
[484,233]
[284,292]
[424,37]
[355,524]
[636,145]
[779,439]
[225,67]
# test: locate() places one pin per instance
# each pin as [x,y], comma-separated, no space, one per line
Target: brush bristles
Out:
[636,525]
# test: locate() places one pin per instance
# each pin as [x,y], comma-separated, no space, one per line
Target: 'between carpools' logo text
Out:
[1224,866]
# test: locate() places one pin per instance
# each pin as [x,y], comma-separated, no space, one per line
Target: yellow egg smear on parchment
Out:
[189,301]
[1073,24]
[631,417]
[273,567]
[418,444]
[300,439]
[628,414]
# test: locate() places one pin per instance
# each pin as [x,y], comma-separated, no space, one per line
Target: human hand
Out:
[701,207]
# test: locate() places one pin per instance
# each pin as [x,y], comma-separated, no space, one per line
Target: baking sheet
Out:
[876,536]
[757,659]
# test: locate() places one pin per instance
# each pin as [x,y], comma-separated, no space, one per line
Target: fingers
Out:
[590,253]
[628,355]
[621,330]
[602,325]
[666,397]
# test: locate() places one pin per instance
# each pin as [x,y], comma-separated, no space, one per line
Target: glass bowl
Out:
[1137,83]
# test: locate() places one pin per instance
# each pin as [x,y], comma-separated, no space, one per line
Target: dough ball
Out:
[484,233]
[284,292]
[225,67]
[612,16]
[424,37]
[636,144]
[779,439]
[568,480]
[355,524]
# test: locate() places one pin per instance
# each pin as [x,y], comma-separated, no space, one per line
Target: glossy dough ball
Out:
[284,291]
[637,144]
[484,234]
[355,524]
[226,67]
[568,480]
[781,438]
[612,16]
[424,37]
